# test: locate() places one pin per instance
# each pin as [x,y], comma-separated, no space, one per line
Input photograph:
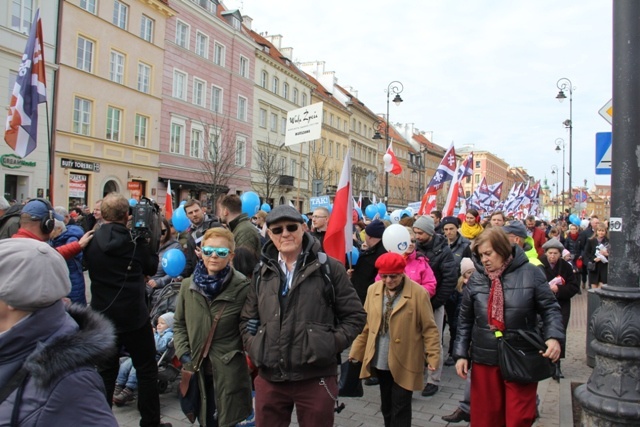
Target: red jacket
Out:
[539,239]
[67,251]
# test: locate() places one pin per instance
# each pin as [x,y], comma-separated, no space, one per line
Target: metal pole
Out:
[570,139]
[611,396]
[386,133]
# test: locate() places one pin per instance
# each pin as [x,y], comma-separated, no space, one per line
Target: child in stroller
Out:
[127,382]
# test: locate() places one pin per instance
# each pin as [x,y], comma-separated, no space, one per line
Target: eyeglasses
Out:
[318,216]
[291,228]
[389,276]
[220,252]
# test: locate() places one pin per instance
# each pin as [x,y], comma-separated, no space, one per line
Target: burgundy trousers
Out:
[314,406]
[499,403]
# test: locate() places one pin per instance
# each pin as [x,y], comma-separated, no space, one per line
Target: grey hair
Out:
[60,210]
[60,225]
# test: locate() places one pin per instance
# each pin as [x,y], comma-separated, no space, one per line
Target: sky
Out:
[479,73]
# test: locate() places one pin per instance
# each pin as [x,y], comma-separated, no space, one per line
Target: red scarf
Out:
[496,298]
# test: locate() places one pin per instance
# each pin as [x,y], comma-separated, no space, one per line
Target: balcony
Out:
[331,190]
[286,181]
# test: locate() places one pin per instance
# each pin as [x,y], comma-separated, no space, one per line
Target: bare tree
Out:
[318,162]
[269,166]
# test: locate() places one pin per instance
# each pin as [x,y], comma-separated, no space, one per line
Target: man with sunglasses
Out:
[294,322]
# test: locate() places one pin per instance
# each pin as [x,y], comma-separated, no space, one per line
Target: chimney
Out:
[275,40]
[247,21]
[287,52]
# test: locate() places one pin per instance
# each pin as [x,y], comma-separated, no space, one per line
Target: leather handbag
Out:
[189,390]
[520,359]
[591,266]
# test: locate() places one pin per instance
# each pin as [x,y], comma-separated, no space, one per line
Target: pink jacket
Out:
[419,270]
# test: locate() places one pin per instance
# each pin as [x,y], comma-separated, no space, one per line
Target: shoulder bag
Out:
[523,363]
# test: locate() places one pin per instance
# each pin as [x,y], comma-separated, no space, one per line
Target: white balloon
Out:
[396,239]
[386,159]
[411,210]
[395,216]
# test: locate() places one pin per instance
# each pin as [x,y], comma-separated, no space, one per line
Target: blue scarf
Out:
[211,286]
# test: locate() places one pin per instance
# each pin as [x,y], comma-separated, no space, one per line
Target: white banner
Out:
[304,124]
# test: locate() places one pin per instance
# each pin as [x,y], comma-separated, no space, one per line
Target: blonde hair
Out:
[220,232]
[460,284]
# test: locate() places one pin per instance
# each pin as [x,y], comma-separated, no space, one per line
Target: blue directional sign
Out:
[603,153]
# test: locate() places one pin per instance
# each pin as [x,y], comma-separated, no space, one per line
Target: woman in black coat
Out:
[596,251]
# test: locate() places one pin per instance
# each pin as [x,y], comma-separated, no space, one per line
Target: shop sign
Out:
[14,162]
[77,185]
[133,185]
[80,165]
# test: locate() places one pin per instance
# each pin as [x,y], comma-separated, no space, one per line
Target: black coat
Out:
[365,271]
[444,267]
[573,246]
[526,295]
[566,291]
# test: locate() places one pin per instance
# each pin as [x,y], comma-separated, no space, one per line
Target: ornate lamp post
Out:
[394,87]
[565,84]
[560,143]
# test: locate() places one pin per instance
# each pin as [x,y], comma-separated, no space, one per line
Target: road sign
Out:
[603,153]
[607,112]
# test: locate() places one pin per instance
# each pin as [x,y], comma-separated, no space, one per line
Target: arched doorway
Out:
[110,187]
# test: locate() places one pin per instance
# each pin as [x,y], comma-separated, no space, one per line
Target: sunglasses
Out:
[389,276]
[220,252]
[291,228]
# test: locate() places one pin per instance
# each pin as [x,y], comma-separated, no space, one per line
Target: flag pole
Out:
[51,154]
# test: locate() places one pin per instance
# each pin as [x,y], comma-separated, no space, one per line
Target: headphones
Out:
[47,223]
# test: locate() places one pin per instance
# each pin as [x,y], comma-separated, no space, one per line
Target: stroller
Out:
[163,300]
[168,368]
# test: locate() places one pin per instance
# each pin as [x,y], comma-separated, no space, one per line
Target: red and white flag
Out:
[168,202]
[428,202]
[30,89]
[391,163]
[360,200]
[338,240]
[465,169]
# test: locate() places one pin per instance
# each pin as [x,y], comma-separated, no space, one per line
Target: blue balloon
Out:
[330,207]
[133,203]
[354,255]
[265,207]
[173,262]
[305,218]
[574,219]
[250,203]
[382,209]
[182,203]
[180,220]
[371,211]
[387,217]
[359,212]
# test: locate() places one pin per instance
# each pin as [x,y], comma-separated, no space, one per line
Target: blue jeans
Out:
[127,375]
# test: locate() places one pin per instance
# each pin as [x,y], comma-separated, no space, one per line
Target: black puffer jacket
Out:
[526,295]
[444,267]
[365,271]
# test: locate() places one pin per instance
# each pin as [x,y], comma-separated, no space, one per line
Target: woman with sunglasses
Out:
[400,317]
[215,289]
[161,279]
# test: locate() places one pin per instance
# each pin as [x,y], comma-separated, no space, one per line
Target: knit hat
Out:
[168,319]
[553,244]
[466,264]
[391,263]
[450,220]
[565,253]
[375,229]
[34,275]
[516,228]
[425,223]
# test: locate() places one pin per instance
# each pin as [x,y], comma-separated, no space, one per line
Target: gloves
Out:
[252,326]
[185,358]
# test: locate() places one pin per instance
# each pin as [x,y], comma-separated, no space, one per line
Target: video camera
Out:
[146,222]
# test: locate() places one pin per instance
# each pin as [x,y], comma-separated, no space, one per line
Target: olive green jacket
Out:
[192,322]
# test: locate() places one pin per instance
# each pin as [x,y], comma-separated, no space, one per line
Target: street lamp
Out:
[394,87]
[560,143]
[565,84]
[554,171]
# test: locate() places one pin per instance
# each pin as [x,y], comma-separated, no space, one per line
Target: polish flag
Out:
[391,163]
[338,239]
[168,202]
[428,203]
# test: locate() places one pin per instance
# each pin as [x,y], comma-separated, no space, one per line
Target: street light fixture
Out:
[560,143]
[554,171]
[394,87]
[565,84]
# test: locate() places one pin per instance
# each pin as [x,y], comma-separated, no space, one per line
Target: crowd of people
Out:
[262,308]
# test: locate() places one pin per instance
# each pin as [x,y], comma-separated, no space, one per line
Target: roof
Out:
[424,142]
[276,55]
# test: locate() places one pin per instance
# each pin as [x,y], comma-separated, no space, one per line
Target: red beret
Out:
[391,263]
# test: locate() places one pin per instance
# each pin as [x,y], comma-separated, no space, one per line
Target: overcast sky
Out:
[480,73]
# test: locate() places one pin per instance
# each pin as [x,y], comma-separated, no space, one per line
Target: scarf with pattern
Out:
[211,286]
[496,297]
[388,306]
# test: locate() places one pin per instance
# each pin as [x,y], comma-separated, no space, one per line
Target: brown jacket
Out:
[413,332]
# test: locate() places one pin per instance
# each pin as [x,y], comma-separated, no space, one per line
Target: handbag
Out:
[189,390]
[350,384]
[523,363]
[591,266]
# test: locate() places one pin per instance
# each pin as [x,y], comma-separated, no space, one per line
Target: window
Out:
[330,148]
[146,28]
[88,5]
[218,54]
[274,122]
[144,77]
[477,163]
[274,85]
[214,144]
[294,167]
[179,85]
[182,34]
[295,96]
[81,116]
[113,123]
[120,12]
[21,15]
[208,5]
[84,54]
[331,119]
[242,108]
[197,139]
[339,123]
[235,23]
[283,125]
[140,137]
[262,117]
[176,142]
[285,90]
[202,44]
[216,99]
[264,77]
[304,99]
[198,92]
[240,151]
[477,178]
[244,66]
[116,67]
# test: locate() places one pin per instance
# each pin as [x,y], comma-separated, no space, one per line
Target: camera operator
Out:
[117,260]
